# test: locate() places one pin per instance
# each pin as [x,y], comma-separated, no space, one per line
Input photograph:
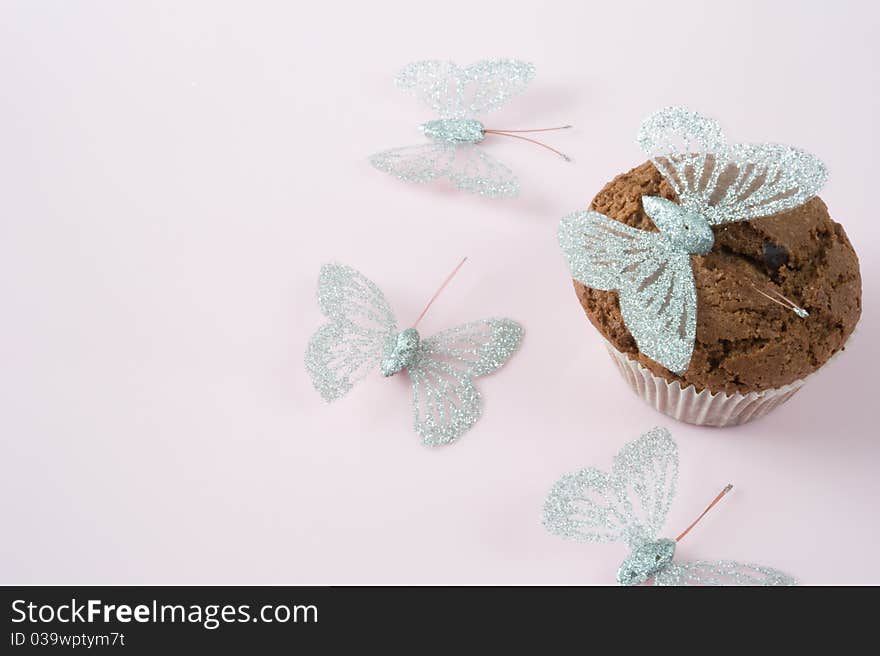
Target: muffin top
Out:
[744,341]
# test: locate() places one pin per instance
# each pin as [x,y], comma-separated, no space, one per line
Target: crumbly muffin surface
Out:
[744,341]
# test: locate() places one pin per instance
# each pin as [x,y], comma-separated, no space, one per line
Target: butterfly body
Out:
[454,130]
[687,231]
[400,352]
[645,561]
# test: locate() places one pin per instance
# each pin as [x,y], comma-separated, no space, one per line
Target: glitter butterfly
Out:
[630,505]
[459,94]
[362,336]
[716,184]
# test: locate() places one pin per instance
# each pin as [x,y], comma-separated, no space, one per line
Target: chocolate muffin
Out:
[746,343]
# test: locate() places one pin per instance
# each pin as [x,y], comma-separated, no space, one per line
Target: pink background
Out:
[172,176]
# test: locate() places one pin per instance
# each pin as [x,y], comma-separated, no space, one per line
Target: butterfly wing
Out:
[467,166]
[490,83]
[476,171]
[437,83]
[659,309]
[727,183]
[646,473]
[421,163]
[587,506]
[602,252]
[445,400]
[629,505]
[755,180]
[720,572]
[352,343]
[455,92]
[655,284]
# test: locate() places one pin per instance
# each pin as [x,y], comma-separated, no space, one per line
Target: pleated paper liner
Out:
[702,408]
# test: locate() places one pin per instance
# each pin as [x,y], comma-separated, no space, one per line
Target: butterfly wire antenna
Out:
[784,301]
[440,290]
[509,133]
[721,494]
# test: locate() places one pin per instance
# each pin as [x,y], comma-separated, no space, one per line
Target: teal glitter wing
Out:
[646,471]
[476,171]
[455,92]
[467,166]
[586,506]
[655,283]
[720,572]
[629,505]
[446,402]
[661,310]
[421,163]
[350,345]
[724,182]
[601,252]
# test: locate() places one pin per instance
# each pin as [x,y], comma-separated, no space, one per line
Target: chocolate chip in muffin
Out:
[774,255]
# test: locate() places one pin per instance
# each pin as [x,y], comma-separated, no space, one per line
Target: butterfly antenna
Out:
[727,489]
[784,301]
[438,292]
[534,141]
[561,127]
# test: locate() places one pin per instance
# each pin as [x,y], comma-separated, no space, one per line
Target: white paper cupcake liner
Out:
[702,408]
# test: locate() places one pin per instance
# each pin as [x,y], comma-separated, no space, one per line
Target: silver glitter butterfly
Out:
[362,336]
[458,94]
[716,184]
[630,505]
